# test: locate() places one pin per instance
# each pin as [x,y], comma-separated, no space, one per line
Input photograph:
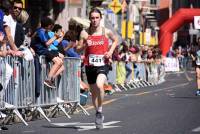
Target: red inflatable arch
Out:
[182,16]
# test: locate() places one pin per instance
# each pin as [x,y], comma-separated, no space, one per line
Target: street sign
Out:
[115,6]
[197,22]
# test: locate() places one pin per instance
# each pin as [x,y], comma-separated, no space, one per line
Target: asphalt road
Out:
[168,108]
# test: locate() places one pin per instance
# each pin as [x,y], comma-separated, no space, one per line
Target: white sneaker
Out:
[99,120]
[59,100]
[2,115]
[9,106]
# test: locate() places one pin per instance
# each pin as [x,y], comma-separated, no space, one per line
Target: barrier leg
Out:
[141,84]
[132,84]
[63,110]
[148,83]
[83,109]
[39,109]
[122,85]
[128,85]
[74,108]
[20,116]
[117,89]
[136,84]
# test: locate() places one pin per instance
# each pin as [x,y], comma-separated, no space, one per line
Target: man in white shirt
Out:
[10,26]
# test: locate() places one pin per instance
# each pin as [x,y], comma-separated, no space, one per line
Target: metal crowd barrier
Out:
[2,79]
[143,74]
[112,74]
[69,89]
[21,94]
[152,72]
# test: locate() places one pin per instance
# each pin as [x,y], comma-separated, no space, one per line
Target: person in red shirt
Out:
[95,42]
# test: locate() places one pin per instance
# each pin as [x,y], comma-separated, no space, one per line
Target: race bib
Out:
[96,60]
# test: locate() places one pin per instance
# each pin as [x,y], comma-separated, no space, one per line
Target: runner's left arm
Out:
[114,39]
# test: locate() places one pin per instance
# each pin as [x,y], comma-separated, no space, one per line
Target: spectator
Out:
[69,43]
[179,56]
[57,30]
[171,53]
[125,56]
[71,39]
[40,45]
[13,29]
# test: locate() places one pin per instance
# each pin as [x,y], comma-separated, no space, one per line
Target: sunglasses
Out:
[19,8]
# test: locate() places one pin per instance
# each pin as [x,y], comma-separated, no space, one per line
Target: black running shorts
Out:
[51,54]
[92,72]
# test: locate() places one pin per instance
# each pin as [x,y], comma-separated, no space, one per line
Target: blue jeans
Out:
[128,67]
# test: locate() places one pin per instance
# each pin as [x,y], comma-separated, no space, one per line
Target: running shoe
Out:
[3,128]
[99,120]
[49,83]
[198,93]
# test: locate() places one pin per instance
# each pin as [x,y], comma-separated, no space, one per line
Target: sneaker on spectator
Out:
[2,115]
[4,128]
[9,106]
[198,93]
[49,83]
[59,100]
[99,120]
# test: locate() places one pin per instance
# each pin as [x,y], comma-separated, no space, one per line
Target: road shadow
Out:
[54,126]
[185,97]
[70,127]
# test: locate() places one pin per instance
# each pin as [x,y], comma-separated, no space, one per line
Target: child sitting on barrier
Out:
[40,45]
[57,30]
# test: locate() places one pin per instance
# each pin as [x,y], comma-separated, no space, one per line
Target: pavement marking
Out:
[157,90]
[65,124]
[142,93]
[187,76]
[86,126]
[138,94]
[30,131]
[196,129]
[104,103]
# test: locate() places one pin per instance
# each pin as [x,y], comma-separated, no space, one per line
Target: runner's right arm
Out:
[81,43]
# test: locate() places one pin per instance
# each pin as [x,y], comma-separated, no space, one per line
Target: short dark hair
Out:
[16,1]
[96,10]
[5,6]
[70,35]
[46,21]
[56,27]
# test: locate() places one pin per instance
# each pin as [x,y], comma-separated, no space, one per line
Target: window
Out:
[154,2]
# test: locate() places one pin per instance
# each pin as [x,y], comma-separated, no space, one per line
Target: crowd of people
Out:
[97,46]
[187,55]
[51,41]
